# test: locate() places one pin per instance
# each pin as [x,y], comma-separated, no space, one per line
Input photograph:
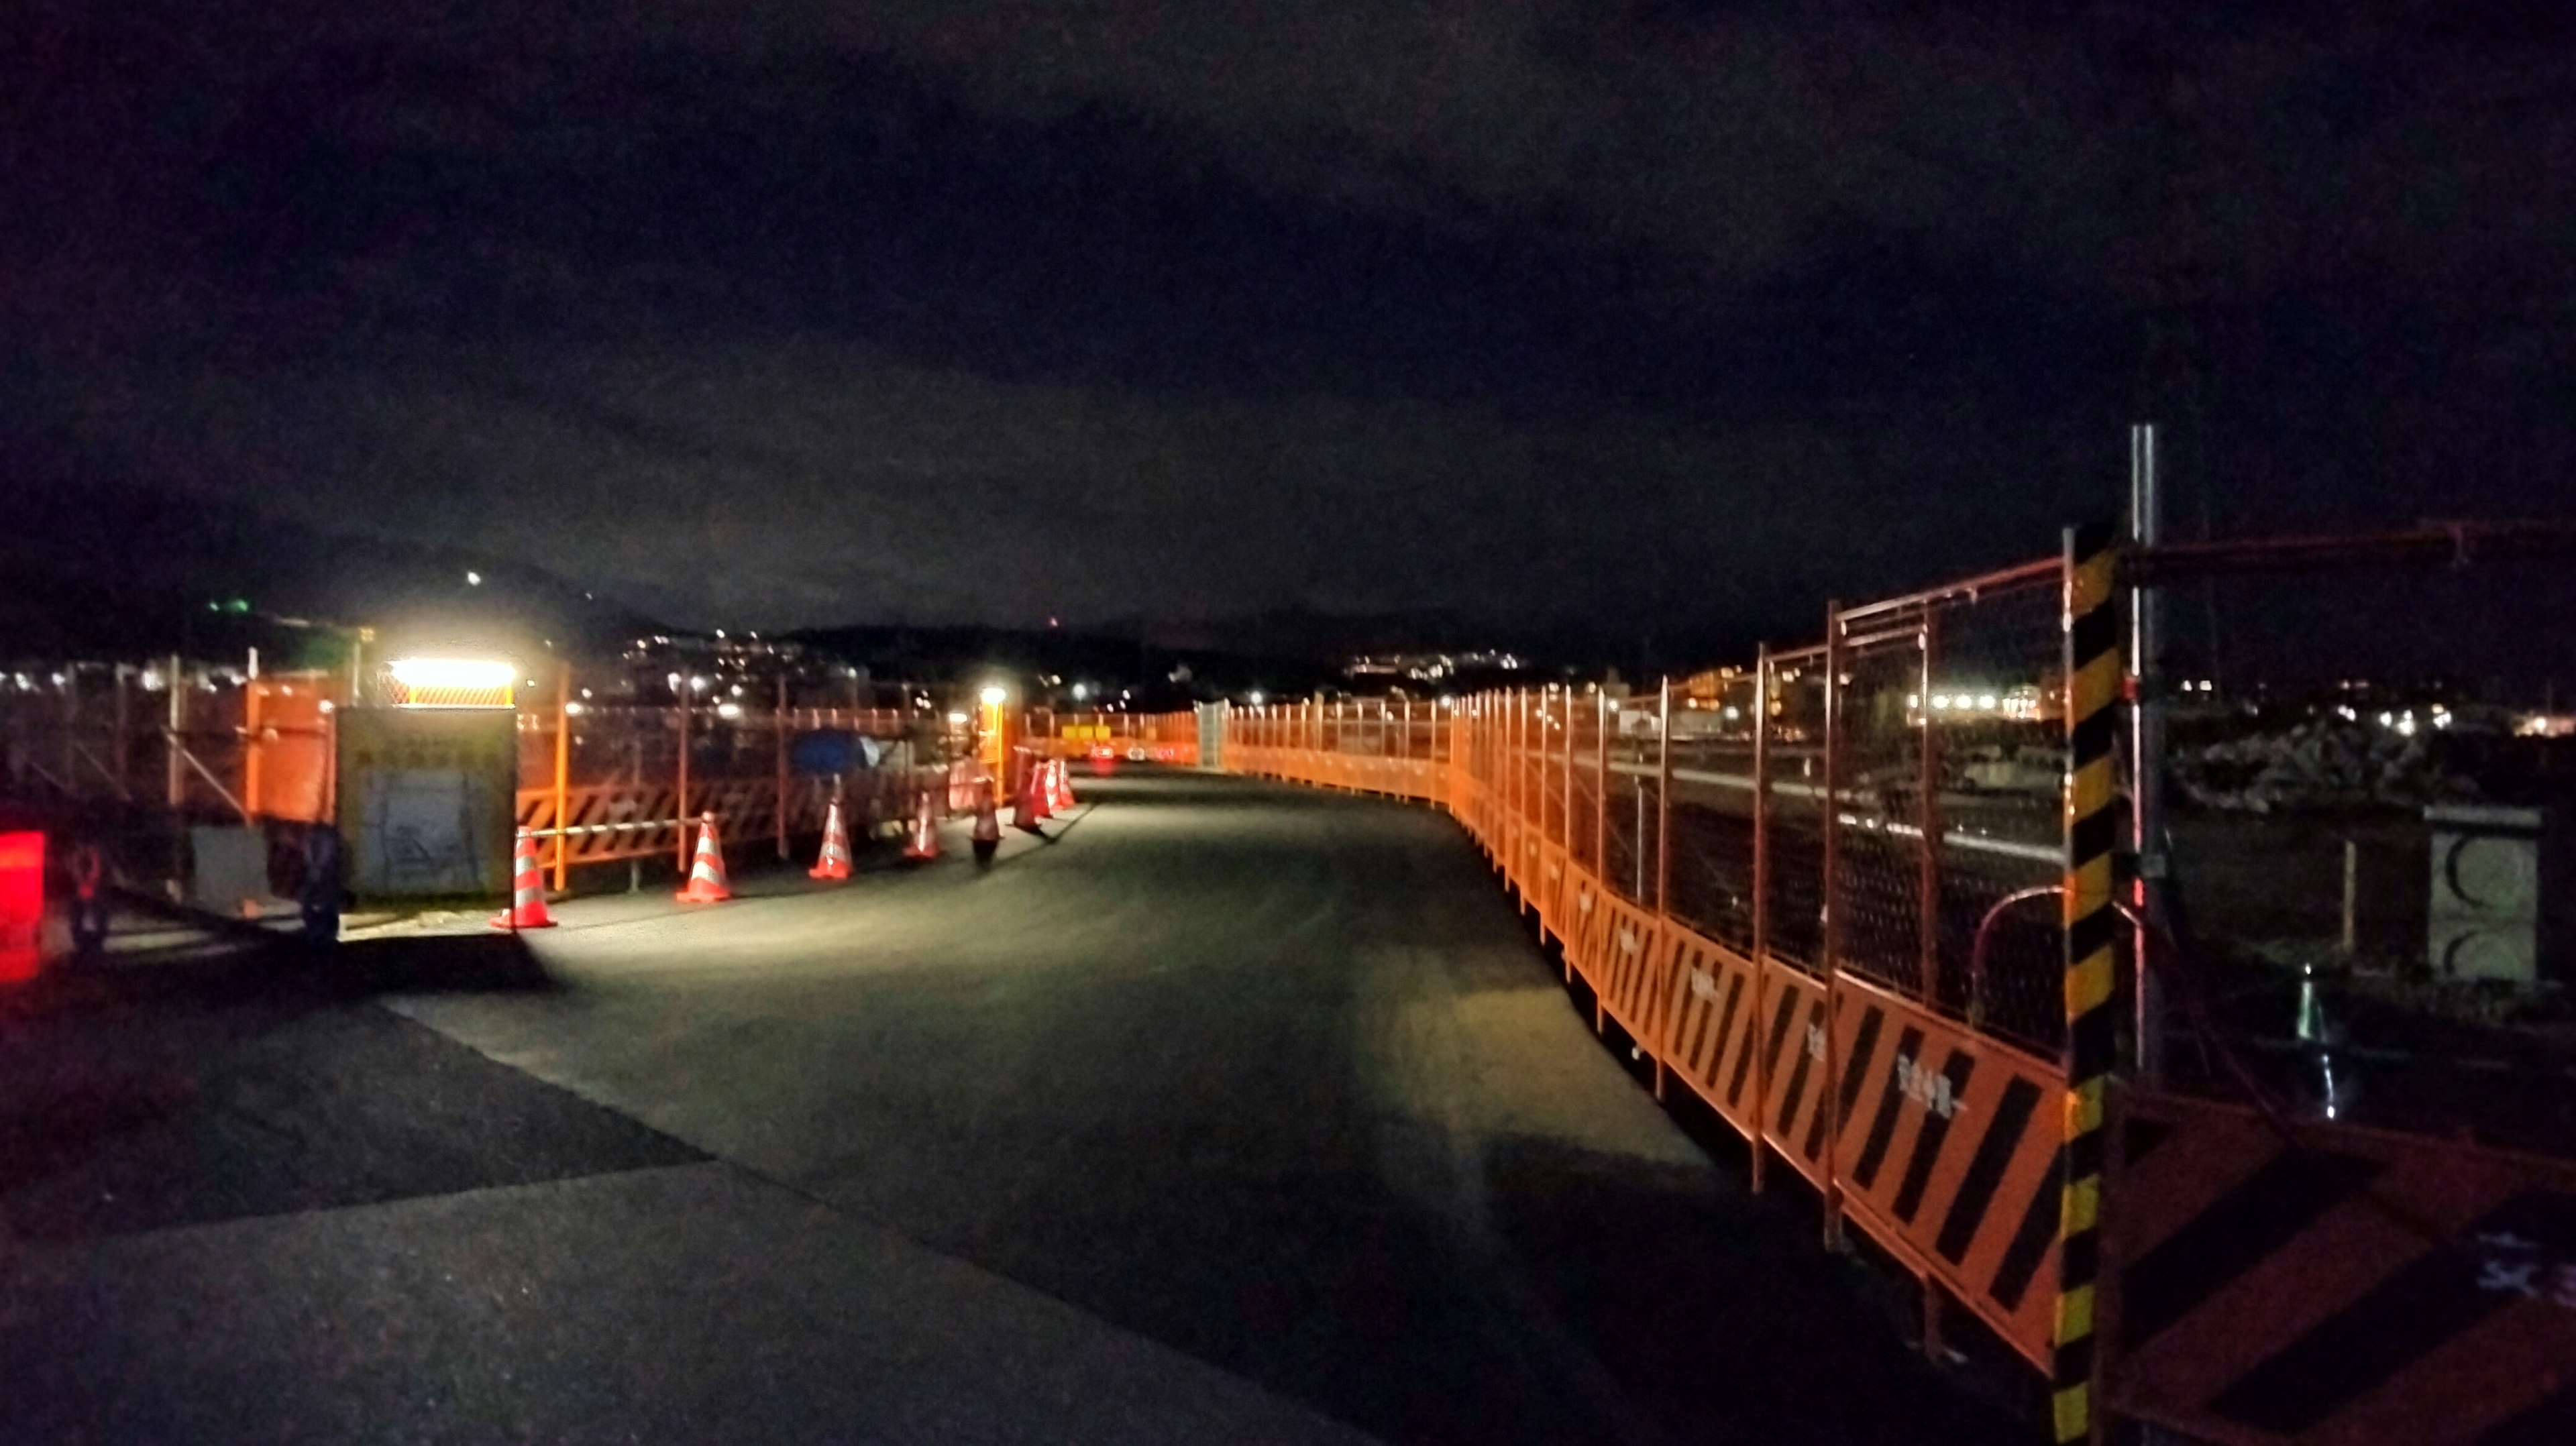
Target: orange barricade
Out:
[1709,1005]
[1947,1153]
[1855,905]
[2276,1283]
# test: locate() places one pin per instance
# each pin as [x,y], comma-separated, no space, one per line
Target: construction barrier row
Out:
[1903,990]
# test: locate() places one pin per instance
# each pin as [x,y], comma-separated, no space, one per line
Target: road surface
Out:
[1234,1112]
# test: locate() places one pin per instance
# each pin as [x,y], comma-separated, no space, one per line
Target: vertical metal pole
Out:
[2351,933]
[1831,950]
[563,774]
[683,701]
[122,722]
[1928,879]
[71,726]
[2146,759]
[174,740]
[778,726]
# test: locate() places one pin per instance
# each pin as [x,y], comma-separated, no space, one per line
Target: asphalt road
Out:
[1233,1112]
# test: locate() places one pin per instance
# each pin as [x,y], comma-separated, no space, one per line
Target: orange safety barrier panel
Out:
[1628,973]
[1947,1152]
[2275,1282]
[1794,1070]
[1709,1008]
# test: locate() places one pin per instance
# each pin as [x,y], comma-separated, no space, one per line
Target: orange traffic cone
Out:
[706,874]
[835,862]
[1030,809]
[527,889]
[1063,800]
[925,830]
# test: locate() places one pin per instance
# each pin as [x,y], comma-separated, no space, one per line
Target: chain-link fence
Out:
[1711,870]
[1792,804]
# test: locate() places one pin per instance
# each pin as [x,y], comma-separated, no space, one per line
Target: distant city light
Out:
[473,579]
[956,720]
[728,710]
[1080,692]
[1257,697]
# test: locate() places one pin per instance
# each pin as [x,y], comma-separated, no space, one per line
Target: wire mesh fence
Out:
[1632,810]
[1880,796]
[1712,876]
[1792,805]
[1992,711]
[1586,787]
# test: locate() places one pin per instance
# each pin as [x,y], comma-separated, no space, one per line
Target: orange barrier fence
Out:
[1169,738]
[1864,900]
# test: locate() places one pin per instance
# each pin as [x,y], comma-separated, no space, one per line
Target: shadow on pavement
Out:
[266,1081]
[1734,1298]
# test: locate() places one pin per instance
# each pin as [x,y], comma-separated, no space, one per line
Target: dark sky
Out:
[1576,310]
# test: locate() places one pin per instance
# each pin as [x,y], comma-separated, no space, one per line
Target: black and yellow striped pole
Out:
[2093,669]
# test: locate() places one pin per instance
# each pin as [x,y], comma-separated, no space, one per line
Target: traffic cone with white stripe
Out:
[706,873]
[835,861]
[527,889]
[1030,809]
[1062,801]
[925,830]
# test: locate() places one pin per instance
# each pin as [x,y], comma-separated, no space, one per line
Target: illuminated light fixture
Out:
[1256,697]
[1940,702]
[473,579]
[451,682]
[994,694]
[572,708]
[1080,692]
[956,720]
[1986,701]
[728,710]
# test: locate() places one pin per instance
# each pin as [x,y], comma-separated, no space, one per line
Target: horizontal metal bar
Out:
[1964,590]
[1951,838]
[2432,545]
[591,828]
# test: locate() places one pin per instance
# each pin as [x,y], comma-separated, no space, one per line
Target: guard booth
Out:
[428,784]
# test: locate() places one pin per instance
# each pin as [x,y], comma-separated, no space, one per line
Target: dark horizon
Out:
[1654,327]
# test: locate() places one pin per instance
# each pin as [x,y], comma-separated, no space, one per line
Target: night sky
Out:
[1576,312]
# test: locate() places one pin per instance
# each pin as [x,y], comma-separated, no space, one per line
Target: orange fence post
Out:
[1762,965]
[1928,887]
[563,773]
[1830,946]
[682,701]
[1664,803]
[254,749]
[1601,786]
